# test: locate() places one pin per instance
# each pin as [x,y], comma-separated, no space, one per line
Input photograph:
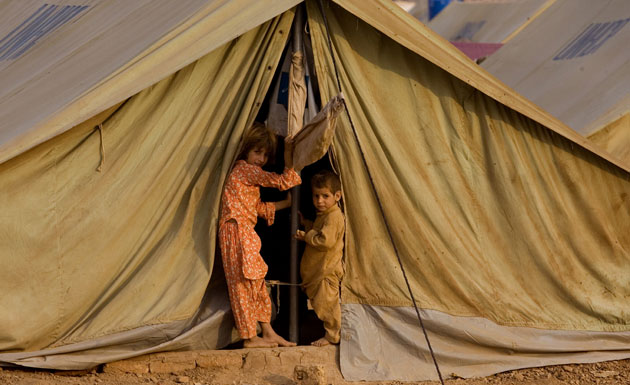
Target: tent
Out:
[503,227]
[573,62]
[417,8]
[487,22]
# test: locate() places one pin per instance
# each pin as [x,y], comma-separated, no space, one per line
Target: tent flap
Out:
[129,247]
[473,195]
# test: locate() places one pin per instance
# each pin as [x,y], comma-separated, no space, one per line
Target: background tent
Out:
[417,8]
[573,62]
[507,224]
[486,22]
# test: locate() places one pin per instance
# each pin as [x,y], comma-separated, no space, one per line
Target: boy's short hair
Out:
[258,136]
[326,178]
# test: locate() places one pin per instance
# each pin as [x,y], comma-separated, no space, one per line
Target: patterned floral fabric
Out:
[244,267]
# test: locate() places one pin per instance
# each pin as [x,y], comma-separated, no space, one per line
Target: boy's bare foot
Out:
[257,342]
[321,342]
[271,336]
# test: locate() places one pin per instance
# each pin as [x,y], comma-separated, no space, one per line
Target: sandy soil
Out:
[606,373]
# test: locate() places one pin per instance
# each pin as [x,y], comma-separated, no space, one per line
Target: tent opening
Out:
[276,239]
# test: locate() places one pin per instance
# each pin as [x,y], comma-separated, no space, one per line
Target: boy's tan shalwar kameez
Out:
[322,268]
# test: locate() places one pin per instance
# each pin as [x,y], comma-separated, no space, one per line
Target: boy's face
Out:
[257,156]
[323,198]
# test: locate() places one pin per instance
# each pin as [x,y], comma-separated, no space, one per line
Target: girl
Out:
[244,267]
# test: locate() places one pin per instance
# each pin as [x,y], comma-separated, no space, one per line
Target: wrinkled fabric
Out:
[323,251]
[314,140]
[492,214]
[321,268]
[249,298]
[297,94]
[241,202]
[100,254]
[615,138]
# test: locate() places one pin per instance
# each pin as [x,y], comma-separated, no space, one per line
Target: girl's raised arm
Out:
[256,176]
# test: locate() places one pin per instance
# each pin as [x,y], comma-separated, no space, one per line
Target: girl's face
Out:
[257,156]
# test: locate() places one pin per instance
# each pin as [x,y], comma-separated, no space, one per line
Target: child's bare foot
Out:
[321,342]
[257,342]
[271,336]
[281,341]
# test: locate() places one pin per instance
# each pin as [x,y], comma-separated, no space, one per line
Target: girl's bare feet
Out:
[321,342]
[271,336]
[257,342]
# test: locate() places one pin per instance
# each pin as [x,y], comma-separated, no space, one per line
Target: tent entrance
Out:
[291,317]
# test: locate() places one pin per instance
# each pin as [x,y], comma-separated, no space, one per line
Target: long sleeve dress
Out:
[322,268]
[244,267]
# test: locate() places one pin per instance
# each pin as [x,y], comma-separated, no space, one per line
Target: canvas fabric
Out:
[486,22]
[110,51]
[105,253]
[491,214]
[498,211]
[615,138]
[314,140]
[297,94]
[394,22]
[572,61]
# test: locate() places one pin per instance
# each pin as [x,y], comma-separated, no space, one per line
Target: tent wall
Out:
[486,22]
[406,31]
[493,215]
[615,138]
[572,61]
[132,247]
[109,51]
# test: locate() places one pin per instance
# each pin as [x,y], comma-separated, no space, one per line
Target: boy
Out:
[321,266]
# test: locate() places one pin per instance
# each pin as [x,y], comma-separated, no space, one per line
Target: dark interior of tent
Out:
[276,239]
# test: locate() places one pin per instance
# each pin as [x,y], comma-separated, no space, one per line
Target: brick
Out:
[184,356]
[273,362]
[127,366]
[309,375]
[218,359]
[171,367]
[319,355]
[291,358]
[255,360]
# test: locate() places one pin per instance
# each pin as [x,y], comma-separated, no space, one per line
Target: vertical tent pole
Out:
[295,192]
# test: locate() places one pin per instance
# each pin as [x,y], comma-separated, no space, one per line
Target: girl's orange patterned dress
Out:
[244,267]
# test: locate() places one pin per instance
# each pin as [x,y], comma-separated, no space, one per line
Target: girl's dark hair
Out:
[258,136]
[326,178]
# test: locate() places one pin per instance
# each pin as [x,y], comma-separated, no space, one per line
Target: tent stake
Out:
[380,204]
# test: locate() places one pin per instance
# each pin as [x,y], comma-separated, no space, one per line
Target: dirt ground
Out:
[605,373]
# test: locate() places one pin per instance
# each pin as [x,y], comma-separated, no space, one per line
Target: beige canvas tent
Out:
[504,225]
[573,62]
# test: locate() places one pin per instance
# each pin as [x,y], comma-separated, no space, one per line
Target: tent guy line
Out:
[378,199]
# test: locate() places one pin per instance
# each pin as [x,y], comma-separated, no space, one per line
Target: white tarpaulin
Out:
[95,53]
[572,61]
[485,22]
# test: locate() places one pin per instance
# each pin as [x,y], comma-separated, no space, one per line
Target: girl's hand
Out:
[285,203]
[299,235]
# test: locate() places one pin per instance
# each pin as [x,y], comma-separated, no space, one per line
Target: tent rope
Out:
[100,131]
[380,204]
[270,283]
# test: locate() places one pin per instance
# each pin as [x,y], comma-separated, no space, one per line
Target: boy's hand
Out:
[299,235]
